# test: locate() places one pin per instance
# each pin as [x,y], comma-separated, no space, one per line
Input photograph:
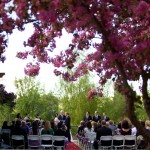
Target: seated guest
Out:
[5,125]
[60,132]
[117,131]
[47,129]
[34,130]
[19,131]
[88,131]
[96,117]
[81,128]
[12,125]
[134,130]
[6,136]
[88,128]
[98,125]
[126,130]
[112,127]
[53,125]
[87,117]
[126,127]
[25,127]
[94,125]
[147,125]
[141,142]
[102,131]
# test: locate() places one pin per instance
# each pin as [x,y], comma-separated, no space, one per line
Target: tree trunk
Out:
[147,106]
[130,111]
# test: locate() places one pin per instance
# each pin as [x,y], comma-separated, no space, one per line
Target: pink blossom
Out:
[142,8]
[32,69]
[92,93]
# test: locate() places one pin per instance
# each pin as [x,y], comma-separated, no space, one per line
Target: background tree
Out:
[121,49]
[6,98]
[7,103]
[114,107]
[32,99]
[73,99]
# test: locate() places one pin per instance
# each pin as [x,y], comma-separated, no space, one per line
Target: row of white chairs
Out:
[119,141]
[111,142]
[36,141]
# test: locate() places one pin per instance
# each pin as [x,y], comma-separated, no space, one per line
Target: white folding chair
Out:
[118,141]
[91,140]
[130,141]
[40,131]
[46,141]
[106,142]
[6,135]
[59,142]
[18,141]
[34,141]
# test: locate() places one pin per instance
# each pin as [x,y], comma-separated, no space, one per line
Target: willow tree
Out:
[73,99]
[32,99]
[117,30]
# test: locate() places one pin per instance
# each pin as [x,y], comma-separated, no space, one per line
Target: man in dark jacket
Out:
[105,117]
[87,117]
[102,131]
[67,123]
[96,117]
[59,132]
[62,117]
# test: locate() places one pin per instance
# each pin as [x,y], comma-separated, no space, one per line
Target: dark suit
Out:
[106,118]
[59,132]
[96,119]
[67,123]
[62,118]
[87,118]
[103,131]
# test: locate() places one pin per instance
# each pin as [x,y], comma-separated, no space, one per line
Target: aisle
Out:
[72,146]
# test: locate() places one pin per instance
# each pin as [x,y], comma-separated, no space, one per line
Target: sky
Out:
[14,67]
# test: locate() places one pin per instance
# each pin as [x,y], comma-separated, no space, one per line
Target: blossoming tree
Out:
[116,34]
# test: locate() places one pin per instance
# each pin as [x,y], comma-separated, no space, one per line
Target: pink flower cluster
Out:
[113,35]
[32,69]
[92,93]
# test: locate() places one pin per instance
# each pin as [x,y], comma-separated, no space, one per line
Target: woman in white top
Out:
[88,130]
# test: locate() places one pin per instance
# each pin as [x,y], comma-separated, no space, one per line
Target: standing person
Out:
[87,117]
[27,118]
[96,117]
[105,117]
[62,117]
[18,117]
[67,123]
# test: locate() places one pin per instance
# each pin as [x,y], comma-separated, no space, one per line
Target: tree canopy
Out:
[6,97]
[115,33]
[32,99]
